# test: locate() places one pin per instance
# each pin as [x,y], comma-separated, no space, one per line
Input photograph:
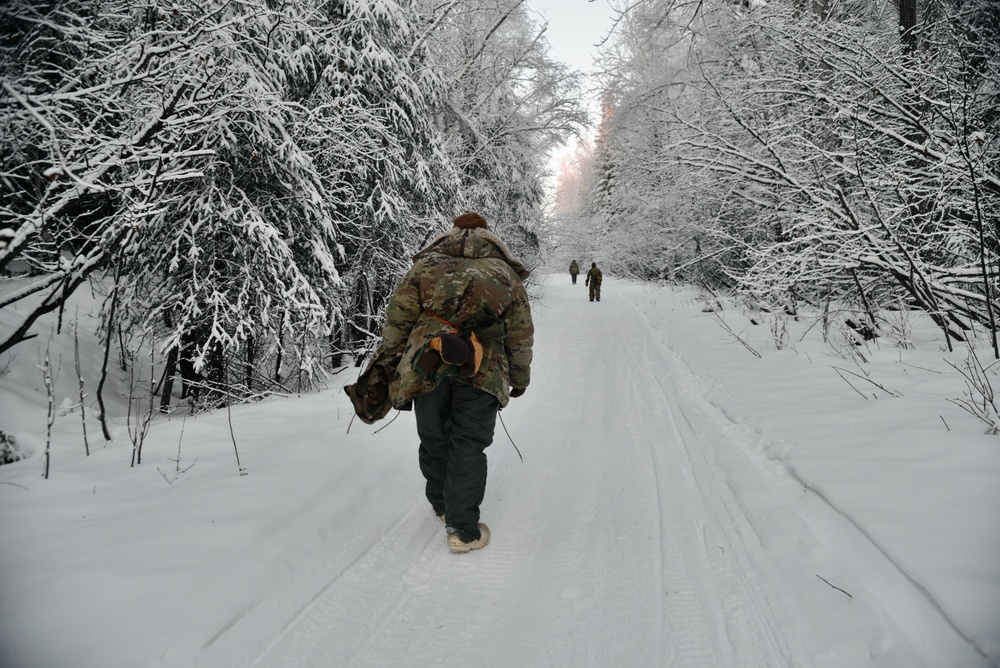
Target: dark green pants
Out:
[455,424]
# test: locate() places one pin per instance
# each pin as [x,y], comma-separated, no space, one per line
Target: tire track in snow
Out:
[568,534]
[737,632]
[740,607]
[896,621]
[301,627]
[623,539]
[430,594]
[642,537]
[602,528]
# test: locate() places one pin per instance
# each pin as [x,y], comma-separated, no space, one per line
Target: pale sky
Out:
[575,26]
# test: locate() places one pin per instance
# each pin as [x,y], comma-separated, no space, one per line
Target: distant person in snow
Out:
[574,271]
[594,281]
[459,333]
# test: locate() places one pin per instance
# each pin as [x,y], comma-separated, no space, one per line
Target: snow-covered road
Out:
[617,541]
[644,527]
[606,548]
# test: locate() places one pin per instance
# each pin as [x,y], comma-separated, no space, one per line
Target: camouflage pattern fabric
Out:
[594,281]
[451,280]
[370,394]
[574,268]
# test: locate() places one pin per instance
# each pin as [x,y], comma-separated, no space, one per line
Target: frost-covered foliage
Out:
[166,152]
[508,103]
[373,131]
[633,213]
[802,154]
[854,162]
[10,450]
[251,178]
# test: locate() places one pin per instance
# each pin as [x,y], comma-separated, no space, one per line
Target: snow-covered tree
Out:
[372,129]
[248,179]
[508,103]
[861,159]
[173,133]
[228,162]
[813,150]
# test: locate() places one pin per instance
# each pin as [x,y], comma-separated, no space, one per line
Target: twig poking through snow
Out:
[980,399]
[177,462]
[837,370]
[834,586]
[722,323]
[79,377]
[232,434]
[865,378]
[51,418]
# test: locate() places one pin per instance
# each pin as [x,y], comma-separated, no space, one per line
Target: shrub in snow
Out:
[979,398]
[10,451]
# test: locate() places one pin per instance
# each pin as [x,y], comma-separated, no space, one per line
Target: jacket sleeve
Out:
[520,337]
[401,314]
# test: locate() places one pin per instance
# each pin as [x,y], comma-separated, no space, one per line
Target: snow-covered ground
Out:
[681,502]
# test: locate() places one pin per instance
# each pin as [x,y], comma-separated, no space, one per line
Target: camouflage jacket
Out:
[574,268]
[594,275]
[452,278]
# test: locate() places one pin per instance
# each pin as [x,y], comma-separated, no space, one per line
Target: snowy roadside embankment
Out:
[878,439]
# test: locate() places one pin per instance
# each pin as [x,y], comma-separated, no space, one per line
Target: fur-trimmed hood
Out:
[474,243]
[451,281]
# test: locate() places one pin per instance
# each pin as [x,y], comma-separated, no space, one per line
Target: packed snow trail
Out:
[646,526]
[600,534]
[617,541]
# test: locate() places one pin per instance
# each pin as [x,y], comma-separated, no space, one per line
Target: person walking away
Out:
[459,335]
[594,281]
[574,270]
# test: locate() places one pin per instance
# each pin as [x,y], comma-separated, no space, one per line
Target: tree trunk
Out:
[107,353]
[908,24]
[248,368]
[277,362]
[168,379]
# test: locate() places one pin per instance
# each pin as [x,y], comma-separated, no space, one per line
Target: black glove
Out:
[515,392]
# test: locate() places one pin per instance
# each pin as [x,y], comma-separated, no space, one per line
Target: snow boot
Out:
[458,545]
